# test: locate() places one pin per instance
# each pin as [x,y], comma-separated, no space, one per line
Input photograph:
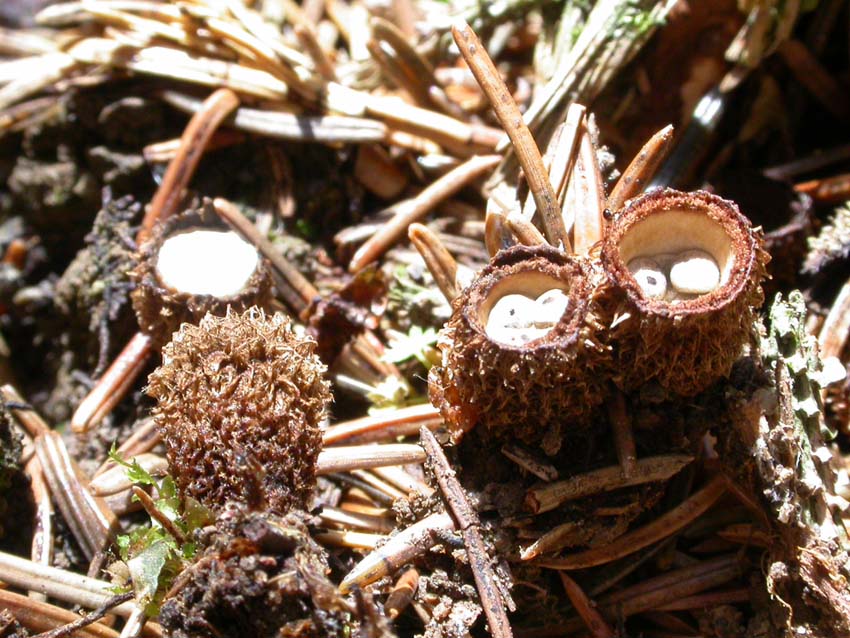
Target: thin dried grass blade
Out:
[359,457]
[290,126]
[69,587]
[413,417]
[39,617]
[90,519]
[180,65]
[21,43]
[586,196]
[33,75]
[357,540]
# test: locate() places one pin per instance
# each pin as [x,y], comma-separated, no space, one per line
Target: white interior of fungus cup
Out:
[523,307]
[669,238]
[206,262]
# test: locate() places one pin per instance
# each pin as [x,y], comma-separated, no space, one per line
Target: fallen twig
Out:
[467,521]
[511,119]
[88,619]
[410,210]
[665,525]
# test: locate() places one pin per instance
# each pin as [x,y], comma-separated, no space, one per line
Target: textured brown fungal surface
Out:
[240,399]
[531,392]
[161,309]
[260,575]
[686,344]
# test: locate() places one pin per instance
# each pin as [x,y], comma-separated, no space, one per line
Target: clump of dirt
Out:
[259,575]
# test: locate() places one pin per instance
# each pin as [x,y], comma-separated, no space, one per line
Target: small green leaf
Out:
[123,542]
[418,343]
[135,472]
[145,569]
[196,515]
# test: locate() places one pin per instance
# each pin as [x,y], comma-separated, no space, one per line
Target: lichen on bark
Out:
[808,566]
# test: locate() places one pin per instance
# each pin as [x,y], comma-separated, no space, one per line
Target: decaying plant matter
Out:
[259,575]
[10,459]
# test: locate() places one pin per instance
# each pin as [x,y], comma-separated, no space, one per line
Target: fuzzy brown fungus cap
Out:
[260,575]
[174,278]
[528,378]
[239,402]
[685,271]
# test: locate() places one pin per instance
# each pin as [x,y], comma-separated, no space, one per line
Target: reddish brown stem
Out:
[438,259]
[404,421]
[511,119]
[193,142]
[662,527]
[113,385]
[585,608]
[411,210]
[642,168]
[152,510]
[297,290]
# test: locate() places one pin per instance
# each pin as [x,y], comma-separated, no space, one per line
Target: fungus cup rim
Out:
[544,263]
[203,218]
[725,214]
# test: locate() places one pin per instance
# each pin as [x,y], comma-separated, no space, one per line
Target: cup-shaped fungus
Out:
[239,402]
[686,269]
[517,357]
[194,264]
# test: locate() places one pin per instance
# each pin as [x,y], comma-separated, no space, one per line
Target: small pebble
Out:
[550,307]
[649,276]
[516,319]
[694,272]
[511,311]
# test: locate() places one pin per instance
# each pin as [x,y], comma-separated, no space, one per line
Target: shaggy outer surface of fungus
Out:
[260,576]
[525,391]
[161,308]
[688,345]
[240,399]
